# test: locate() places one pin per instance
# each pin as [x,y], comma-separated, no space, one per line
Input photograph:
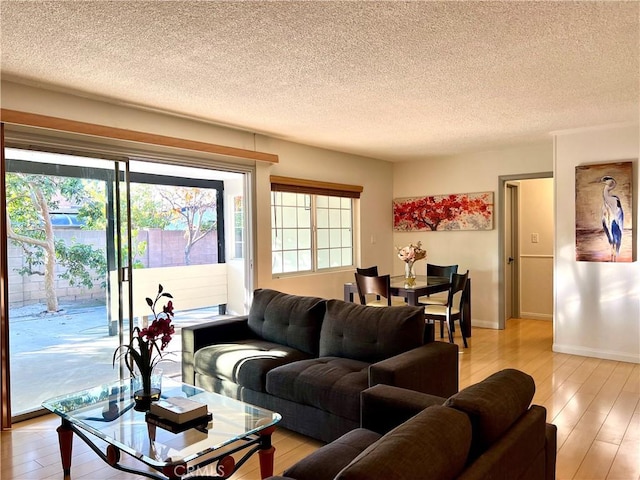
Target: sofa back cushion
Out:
[290,320]
[369,334]
[493,405]
[433,444]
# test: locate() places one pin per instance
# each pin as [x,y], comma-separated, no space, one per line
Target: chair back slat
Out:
[368,271]
[441,270]
[377,285]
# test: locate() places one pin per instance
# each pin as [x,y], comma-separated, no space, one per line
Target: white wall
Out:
[597,305]
[536,258]
[476,251]
[45,102]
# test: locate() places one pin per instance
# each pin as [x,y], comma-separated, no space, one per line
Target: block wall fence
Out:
[165,248]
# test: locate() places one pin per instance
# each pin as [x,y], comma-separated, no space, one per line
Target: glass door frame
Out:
[5,378]
[123,265]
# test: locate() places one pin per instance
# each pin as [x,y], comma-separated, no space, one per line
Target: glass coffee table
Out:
[105,415]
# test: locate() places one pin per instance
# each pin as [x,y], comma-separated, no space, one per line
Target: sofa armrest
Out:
[195,337]
[430,368]
[384,407]
[551,446]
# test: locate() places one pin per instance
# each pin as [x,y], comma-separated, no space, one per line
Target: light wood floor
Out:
[595,404]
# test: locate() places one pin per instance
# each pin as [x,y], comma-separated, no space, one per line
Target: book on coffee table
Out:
[200,423]
[178,409]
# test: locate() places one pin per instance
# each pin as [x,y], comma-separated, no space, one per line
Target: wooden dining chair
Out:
[369,272]
[380,286]
[433,270]
[454,309]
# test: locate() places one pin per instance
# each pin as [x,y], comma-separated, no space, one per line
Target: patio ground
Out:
[54,354]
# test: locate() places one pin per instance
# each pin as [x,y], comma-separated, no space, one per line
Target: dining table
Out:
[423,285]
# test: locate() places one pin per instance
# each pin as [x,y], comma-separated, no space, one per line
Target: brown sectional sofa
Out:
[487,431]
[309,359]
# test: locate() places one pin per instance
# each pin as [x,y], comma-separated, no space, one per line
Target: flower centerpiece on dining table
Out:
[146,348]
[409,255]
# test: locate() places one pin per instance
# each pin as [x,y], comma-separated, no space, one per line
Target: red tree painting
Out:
[466,211]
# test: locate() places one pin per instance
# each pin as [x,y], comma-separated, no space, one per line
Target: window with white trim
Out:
[311,226]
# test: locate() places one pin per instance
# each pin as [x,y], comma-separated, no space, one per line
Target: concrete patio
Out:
[54,354]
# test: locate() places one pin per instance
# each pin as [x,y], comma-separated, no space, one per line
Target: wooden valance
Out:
[72,126]
[313,187]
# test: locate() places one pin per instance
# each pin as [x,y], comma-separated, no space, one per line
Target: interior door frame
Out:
[502,185]
[512,249]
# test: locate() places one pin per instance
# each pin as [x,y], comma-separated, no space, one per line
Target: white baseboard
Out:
[484,324]
[536,316]
[495,326]
[603,354]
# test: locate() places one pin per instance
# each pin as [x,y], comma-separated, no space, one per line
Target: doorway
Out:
[512,253]
[525,246]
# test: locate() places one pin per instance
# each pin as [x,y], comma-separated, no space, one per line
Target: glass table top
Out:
[107,412]
[422,281]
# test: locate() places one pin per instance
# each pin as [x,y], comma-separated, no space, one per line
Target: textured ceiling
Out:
[391,80]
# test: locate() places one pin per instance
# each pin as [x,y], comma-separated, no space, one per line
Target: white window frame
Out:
[322,240]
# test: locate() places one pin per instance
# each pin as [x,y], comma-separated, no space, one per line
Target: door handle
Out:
[510,260]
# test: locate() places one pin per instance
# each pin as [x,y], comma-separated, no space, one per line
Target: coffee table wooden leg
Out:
[65,439]
[266,453]
[266,462]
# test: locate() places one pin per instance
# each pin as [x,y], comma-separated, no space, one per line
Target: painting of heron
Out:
[604,218]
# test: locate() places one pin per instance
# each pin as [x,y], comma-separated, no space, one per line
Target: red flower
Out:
[166,339]
[144,341]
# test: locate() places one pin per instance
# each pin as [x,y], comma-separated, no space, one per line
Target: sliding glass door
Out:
[67,230]
[89,239]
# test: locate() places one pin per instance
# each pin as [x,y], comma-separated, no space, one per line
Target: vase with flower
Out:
[409,255]
[145,350]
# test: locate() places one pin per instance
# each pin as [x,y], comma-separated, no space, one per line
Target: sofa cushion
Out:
[369,334]
[493,405]
[244,363]
[432,444]
[327,383]
[290,320]
[328,460]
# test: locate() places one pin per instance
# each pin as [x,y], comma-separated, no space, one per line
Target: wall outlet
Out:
[534,238]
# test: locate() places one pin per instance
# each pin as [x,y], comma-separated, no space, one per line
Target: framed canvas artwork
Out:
[604,230]
[457,211]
